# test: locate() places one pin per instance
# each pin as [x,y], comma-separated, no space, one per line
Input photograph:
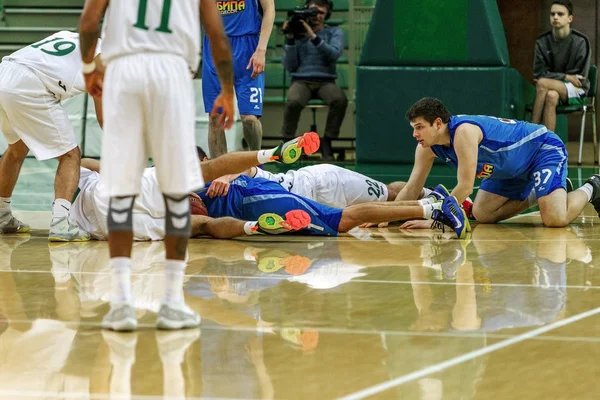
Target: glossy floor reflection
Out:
[512,312]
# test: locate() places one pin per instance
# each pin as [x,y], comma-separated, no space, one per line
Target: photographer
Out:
[310,55]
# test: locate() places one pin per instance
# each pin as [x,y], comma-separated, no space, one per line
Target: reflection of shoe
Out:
[293,264]
[439,193]
[173,345]
[451,262]
[273,224]
[122,346]
[176,316]
[307,339]
[289,152]
[120,318]
[453,216]
[594,180]
[62,230]
[9,224]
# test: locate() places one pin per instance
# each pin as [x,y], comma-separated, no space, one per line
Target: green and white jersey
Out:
[56,60]
[152,26]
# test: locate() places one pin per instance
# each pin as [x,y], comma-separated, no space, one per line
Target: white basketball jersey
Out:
[56,60]
[152,26]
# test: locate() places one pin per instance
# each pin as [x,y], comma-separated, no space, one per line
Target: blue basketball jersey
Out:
[240,17]
[507,150]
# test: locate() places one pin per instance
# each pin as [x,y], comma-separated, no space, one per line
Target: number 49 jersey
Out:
[56,60]
[152,26]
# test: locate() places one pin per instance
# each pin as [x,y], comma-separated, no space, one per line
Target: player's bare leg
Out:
[65,184]
[10,167]
[252,131]
[489,208]
[217,142]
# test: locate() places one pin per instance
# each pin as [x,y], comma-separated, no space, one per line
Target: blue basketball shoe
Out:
[452,215]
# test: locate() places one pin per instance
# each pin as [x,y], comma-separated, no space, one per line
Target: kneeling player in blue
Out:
[521,164]
[253,198]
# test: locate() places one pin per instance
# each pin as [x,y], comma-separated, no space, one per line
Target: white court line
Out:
[342,331]
[373,390]
[283,278]
[98,396]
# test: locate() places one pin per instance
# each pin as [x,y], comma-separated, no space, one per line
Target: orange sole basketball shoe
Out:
[289,152]
[273,224]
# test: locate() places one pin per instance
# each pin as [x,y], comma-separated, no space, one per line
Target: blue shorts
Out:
[547,173]
[324,220]
[249,92]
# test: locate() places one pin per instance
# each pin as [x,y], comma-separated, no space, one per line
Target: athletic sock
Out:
[174,273]
[264,156]
[428,209]
[120,268]
[588,190]
[4,204]
[60,208]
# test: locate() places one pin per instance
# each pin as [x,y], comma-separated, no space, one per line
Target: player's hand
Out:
[218,187]
[93,83]
[257,63]
[574,80]
[224,105]
[373,224]
[309,31]
[416,224]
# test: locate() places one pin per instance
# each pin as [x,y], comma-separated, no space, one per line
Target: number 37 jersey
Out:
[56,60]
[152,26]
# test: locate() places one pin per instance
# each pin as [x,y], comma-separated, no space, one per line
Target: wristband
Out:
[88,68]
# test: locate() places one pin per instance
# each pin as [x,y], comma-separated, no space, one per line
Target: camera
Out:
[296,15]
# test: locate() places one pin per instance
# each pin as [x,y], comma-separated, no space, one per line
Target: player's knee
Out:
[120,214]
[554,220]
[178,217]
[483,217]
[541,85]
[552,98]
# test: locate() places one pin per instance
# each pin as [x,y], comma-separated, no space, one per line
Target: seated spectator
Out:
[310,56]
[561,65]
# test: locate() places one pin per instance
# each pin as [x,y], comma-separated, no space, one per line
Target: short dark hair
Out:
[565,3]
[430,109]
[320,3]
[201,153]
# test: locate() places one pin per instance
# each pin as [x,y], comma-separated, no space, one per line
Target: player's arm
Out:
[424,158]
[89,28]
[257,61]
[219,43]
[91,164]
[466,146]
[218,228]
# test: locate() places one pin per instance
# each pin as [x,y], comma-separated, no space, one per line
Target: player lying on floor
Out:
[332,185]
[250,198]
[90,206]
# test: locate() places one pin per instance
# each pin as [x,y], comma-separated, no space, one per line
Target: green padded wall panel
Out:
[433,32]
[382,133]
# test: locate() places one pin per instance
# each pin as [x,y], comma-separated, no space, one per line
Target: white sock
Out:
[428,209]
[532,199]
[249,228]
[4,203]
[60,208]
[174,271]
[588,190]
[426,200]
[121,280]
[264,156]
[426,192]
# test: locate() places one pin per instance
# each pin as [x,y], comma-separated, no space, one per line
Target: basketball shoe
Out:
[176,316]
[9,224]
[273,224]
[120,318]
[452,215]
[62,230]
[290,151]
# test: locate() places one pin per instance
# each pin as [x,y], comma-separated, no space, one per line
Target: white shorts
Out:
[330,185]
[90,208]
[149,110]
[29,112]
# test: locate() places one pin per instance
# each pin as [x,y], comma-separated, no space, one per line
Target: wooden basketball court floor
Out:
[511,313]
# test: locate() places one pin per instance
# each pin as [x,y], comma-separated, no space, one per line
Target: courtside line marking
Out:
[145,327]
[287,277]
[373,390]
[94,396]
